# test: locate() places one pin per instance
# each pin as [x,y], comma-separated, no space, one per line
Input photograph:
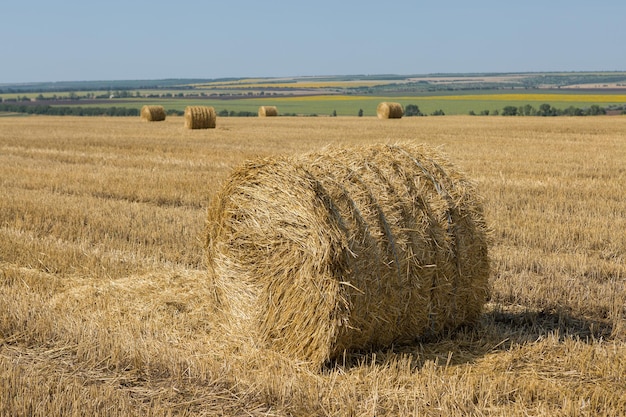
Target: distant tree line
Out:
[409,110]
[546,110]
[98,111]
[44,109]
[69,110]
[232,113]
[414,110]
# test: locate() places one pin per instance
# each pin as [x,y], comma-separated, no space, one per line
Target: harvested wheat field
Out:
[108,306]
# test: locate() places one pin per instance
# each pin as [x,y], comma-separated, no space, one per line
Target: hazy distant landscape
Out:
[342,95]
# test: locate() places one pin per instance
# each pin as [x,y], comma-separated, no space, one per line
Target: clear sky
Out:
[82,40]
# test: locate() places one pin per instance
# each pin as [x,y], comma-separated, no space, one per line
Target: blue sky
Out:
[81,40]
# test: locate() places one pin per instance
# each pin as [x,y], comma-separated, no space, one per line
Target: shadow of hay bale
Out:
[498,331]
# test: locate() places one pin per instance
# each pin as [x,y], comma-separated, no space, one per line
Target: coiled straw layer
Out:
[268,111]
[153,113]
[386,110]
[200,117]
[347,249]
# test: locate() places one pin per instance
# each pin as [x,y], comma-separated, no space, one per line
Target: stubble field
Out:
[105,302]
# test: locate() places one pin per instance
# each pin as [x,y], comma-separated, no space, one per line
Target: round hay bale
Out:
[268,111]
[386,110]
[347,249]
[153,113]
[200,117]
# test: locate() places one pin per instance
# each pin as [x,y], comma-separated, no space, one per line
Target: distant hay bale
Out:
[268,111]
[347,249]
[153,113]
[200,117]
[386,110]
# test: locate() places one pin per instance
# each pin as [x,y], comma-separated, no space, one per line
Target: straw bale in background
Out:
[268,111]
[153,113]
[386,110]
[200,117]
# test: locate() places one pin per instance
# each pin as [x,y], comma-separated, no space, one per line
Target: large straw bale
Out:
[153,113]
[387,110]
[268,111]
[200,117]
[347,249]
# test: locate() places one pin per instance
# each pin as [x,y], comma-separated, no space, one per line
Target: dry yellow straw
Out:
[153,113]
[200,117]
[347,249]
[386,110]
[268,111]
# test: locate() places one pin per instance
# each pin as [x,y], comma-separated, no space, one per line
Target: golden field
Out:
[104,295]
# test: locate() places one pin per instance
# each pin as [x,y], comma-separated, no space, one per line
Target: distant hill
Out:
[355,83]
[63,86]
